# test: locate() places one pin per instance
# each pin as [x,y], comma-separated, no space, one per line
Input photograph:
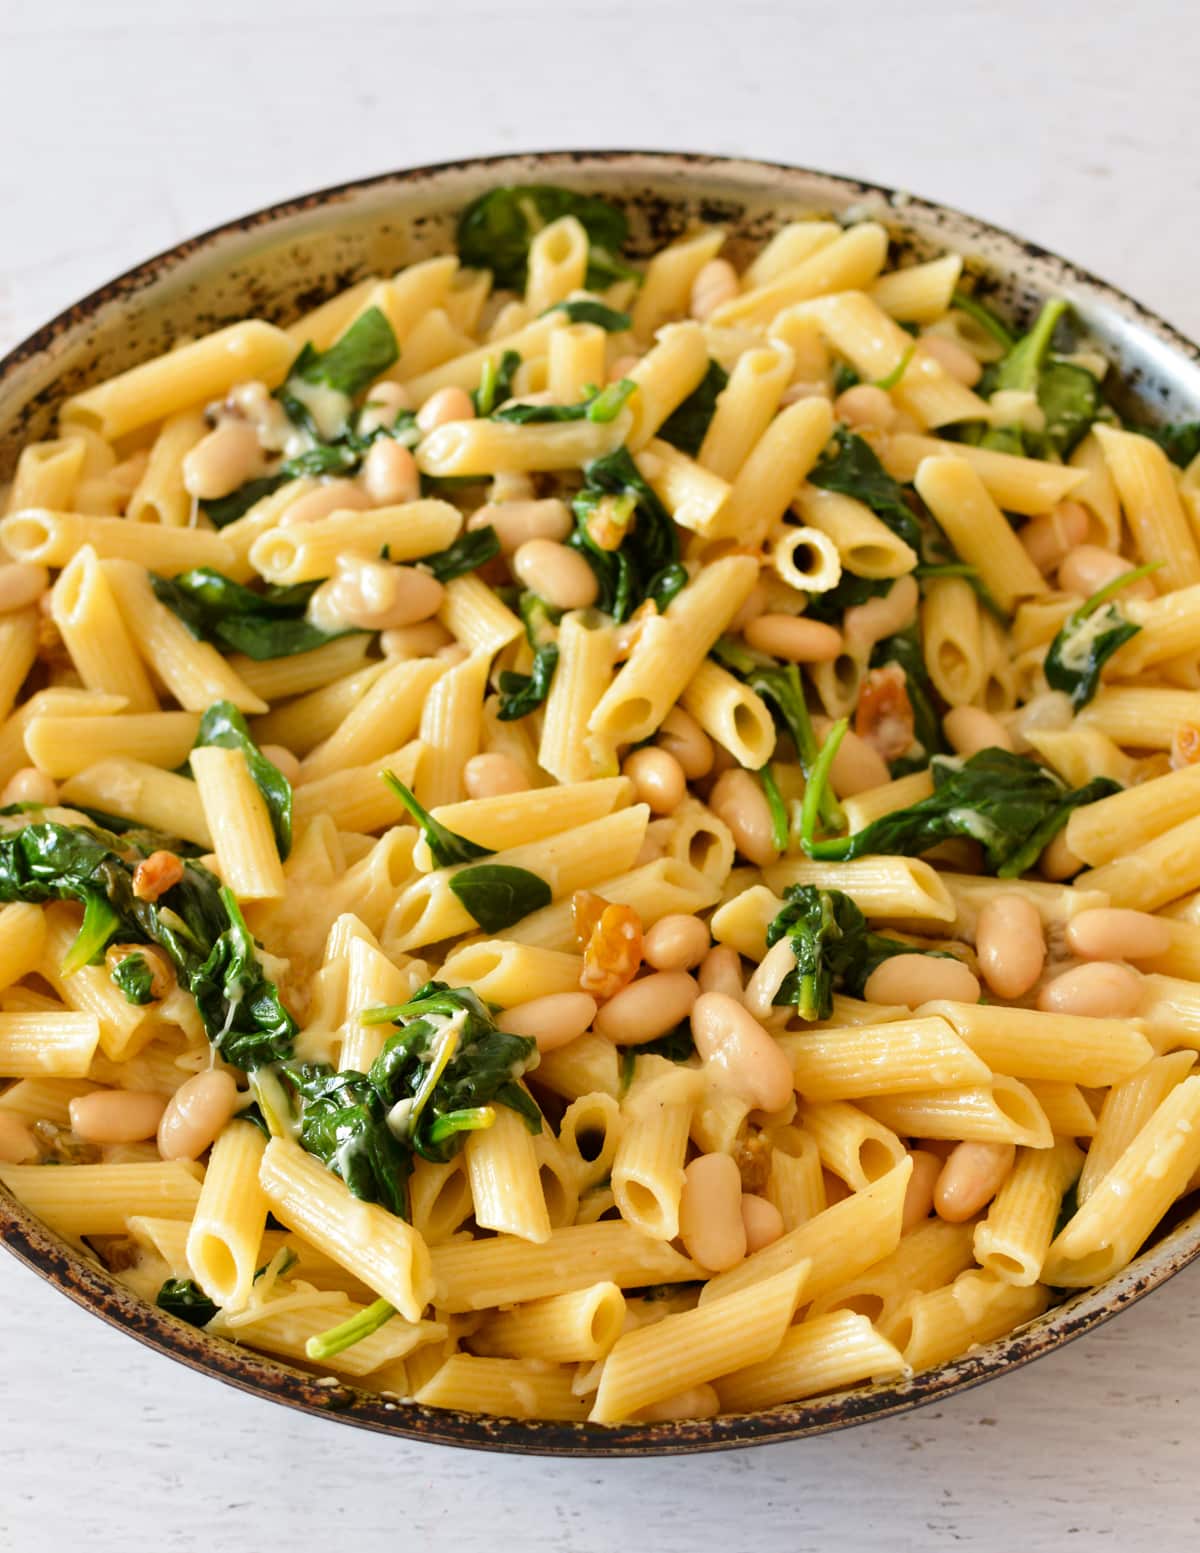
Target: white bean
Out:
[648,1008]
[1011,945]
[552,1021]
[1112,933]
[710,1212]
[555,573]
[739,1054]
[196,1113]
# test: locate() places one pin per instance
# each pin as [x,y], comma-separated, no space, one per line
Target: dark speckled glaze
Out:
[279,262]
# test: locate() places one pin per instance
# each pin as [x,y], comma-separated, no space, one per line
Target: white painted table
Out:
[127,125]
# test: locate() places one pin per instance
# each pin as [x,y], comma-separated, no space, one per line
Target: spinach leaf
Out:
[521,694]
[495,382]
[264,625]
[446,846]
[1011,806]
[134,978]
[686,426]
[344,1122]
[780,833]
[197,923]
[355,359]
[498,895]
[328,1344]
[1087,639]
[844,377]
[904,650]
[852,469]
[225,727]
[615,493]
[586,310]
[495,231]
[183,1297]
[1181,443]
[600,407]
[467,554]
[1069,396]
[223,510]
[781,687]
[849,592]
[984,317]
[670,582]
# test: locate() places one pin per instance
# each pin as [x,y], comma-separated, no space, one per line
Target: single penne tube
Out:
[372,981]
[134,790]
[771,472]
[512,819]
[506,1189]
[482,1274]
[886,1059]
[1066,1107]
[43,538]
[1129,1200]
[743,920]
[505,1388]
[1024,1043]
[931,1329]
[89,621]
[1012,1241]
[699,839]
[861,808]
[731,713]
[692,1347]
[1114,827]
[65,746]
[669,651]
[99,1199]
[161,496]
[575,361]
[647,1170]
[584,672]
[865,546]
[666,887]
[852,260]
[383,1251]
[18,651]
[1127,1107]
[1170,627]
[880,886]
[239,823]
[667,283]
[919,293]
[439,1199]
[1150,499]
[745,408]
[840,1242]
[451,730]
[822,1354]
[928,1256]
[226,1233]
[434,340]
[1027,486]
[507,973]
[410,294]
[587,1065]
[588,1136]
[355,799]
[693,495]
[1079,754]
[461,449]
[952,639]
[557,263]
[790,246]
[305,552]
[665,376]
[1154,873]
[854,1146]
[50,1045]
[22,938]
[795,1184]
[1097,490]
[308,720]
[60,699]
[563,1329]
[266,513]
[476,617]
[47,475]
[807,560]
[978,529]
[275,679]
[428,910]
[1003,1112]
[194,672]
[463,371]
[1141,716]
[383,718]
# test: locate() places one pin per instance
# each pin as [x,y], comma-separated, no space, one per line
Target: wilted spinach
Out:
[270,624]
[1087,639]
[521,694]
[495,231]
[687,425]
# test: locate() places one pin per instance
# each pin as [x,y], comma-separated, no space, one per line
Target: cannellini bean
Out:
[710,1212]
[29,785]
[420,641]
[738,1054]
[866,624]
[226,458]
[555,573]
[116,1115]
[18,1146]
[1112,933]
[375,595]
[332,496]
[865,405]
[447,404]
[721,971]
[917,978]
[738,799]
[682,736]
[696,1402]
[648,1008]
[761,1220]
[283,760]
[970,1178]
[390,473]
[21,584]
[384,403]
[1102,989]
[676,943]
[492,774]
[1058,861]
[957,359]
[716,283]
[196,1113]
[517,522]
[254,402]
[1010,944]
[551,1021]
[1088,568]
[657,778]
[970,729]
[1049,538]
[857,767]
[794,638]
[918,1195]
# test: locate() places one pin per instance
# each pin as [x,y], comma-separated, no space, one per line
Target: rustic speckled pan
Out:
[281,261]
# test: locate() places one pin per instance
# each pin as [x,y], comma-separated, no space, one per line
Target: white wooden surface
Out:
[126,125]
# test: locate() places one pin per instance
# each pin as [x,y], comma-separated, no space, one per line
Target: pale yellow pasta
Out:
[161,496]
[41,537]
[123,1026]
[307,551]
[85,611]
[885,1060]
[507,973]
[387,715]
[865,546]
[509,1388]
[450,730]
[239,823]
[795,1185]
[52,1045]
[850,261]
[564,1329]
[1028,486]
[575,361]
[1066,1107]
[862,808]
[463,371]
[693,495]
[99,1199]
[978,529]
[1113,827]
[824,1354]
[772,470]
[586,1065]
[47,474]
[647,1170]
[853,1145]
[667,284]
[226,1233]
[1024,1043]
[355,798]
[952,639]
[731,713]
[666,887]
[557,263]
[473,613]
[1012,1241]
[931,1328]
[745,408]
[18,649]
[44,1099]
[583,674]
[664,377]
[308,720]
[1150,500]
[1153,873]
[921,293]
[880,886]
[1142,716]
[1127,1108]
[131,788]
[65,746]
[1003,1112]
[927,1257]
[22,937]
[1079,754]
[511,819]
[505,1188]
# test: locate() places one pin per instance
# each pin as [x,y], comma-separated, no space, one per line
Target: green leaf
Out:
[495,231]
[100,923]
[1181,443]
[1020,367]
[1068,395]
[183,1297]
[224,510]
[135,979]
[224,727]
[779,816]
[984,317]
[344,1123]
[851,468]
[263,625]
[587,310]
[361,354]
[467,554]
[1087,639]
[497,895]
[650,546]
[844,377]
[446,847]
[668,584]
[495,382]
[521,694]
[687,425]
[891,379]
[601,408]
[850,592]
[904,650]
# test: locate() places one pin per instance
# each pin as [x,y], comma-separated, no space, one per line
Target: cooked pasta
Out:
[540,939]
